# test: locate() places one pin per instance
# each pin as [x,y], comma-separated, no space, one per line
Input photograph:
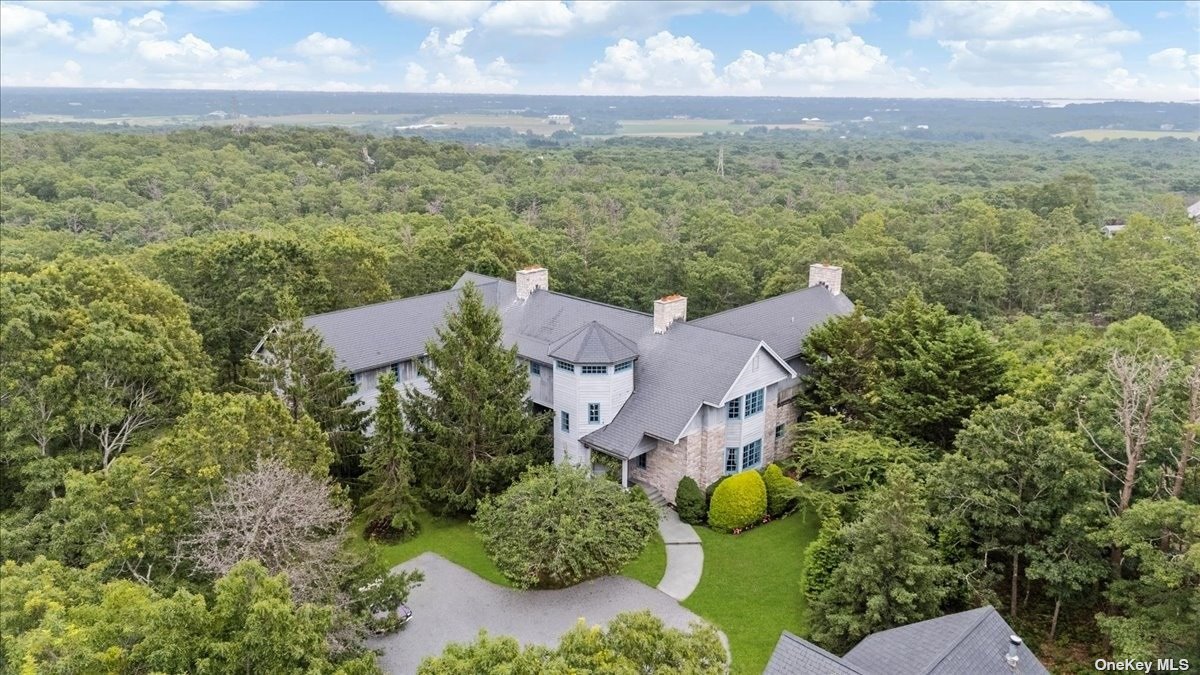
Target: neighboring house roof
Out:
[795,655]
[593,343]
[975,641]
[1194,210]
[781,321]
[677,371]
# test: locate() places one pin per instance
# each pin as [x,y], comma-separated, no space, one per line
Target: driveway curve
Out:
[453,604]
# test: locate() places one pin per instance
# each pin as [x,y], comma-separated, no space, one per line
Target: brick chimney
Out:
[829,276]
[668,310]
[531,279]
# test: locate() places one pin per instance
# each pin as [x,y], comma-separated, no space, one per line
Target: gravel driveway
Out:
[452,604]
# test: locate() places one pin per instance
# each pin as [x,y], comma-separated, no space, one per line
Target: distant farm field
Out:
[518,123]
[694,127]
[1115,134]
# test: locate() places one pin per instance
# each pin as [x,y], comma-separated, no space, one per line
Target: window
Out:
[352,379]
[754,402]
[595,370]
[593,413]
[395,368]
[622,367]
[535,368]
[780,430]
[641,462]
[733,409]
[731,460]
[751,455]
[563,365]
[565,420]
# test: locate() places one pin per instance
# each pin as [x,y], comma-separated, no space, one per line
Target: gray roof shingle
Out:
[593,343]
[782,321]
[796,656]
[975,641]
[690,364]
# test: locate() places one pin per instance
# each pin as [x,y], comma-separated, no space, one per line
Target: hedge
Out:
[690,502]
[781,491]
[739,501]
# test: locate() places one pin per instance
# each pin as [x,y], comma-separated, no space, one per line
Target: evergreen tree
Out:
[890,574]
[474,435]
[390,504]
[296,365]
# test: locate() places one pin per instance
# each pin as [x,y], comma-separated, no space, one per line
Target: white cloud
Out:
[188,53]
[331,54]
[613,17]
[447,68]
[455,13]
[666,63]
[29,25]
[1175,58]
[1002,43]
[663,62]
[69,75]
[108,35]
[826,16]
[95,7]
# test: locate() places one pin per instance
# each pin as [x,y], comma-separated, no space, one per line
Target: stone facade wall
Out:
[665,465]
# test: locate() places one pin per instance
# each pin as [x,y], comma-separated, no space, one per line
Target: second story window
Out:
[754,402]
[352,379]
[565,420]
[622,367]
[563,365]
[593,413]
[535,368]
[395,368]
[733,409]
[595,370]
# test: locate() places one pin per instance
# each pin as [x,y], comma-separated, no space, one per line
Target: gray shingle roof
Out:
[975,641]
[676,372]
[593,343]
[796,656]
[782,321]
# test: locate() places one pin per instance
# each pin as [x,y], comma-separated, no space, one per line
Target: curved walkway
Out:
[453,604]
[685,556]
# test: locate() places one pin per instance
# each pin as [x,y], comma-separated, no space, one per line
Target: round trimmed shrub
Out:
[738,501]
[557,526]
[781,491]
[690,502]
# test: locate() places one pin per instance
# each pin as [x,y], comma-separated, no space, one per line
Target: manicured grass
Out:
[650,565]
[455,540]
[451,538]
[751,586]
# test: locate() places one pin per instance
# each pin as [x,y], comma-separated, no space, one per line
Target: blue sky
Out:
[1136,50]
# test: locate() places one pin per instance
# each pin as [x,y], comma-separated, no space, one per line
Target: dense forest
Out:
[1024,389]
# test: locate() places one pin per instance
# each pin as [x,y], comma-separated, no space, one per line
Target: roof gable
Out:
[796,656]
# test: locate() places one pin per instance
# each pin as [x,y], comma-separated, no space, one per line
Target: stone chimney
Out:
[829,276]
[668,310]
[531,279]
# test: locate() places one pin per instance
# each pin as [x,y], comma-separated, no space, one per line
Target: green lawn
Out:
[751,586]
[455,540]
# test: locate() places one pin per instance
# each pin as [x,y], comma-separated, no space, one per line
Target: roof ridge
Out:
[386,302]
[950,649]
[751,304]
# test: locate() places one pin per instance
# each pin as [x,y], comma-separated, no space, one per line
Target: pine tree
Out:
[296,365]
[475,434]
[390,503]
[890,574]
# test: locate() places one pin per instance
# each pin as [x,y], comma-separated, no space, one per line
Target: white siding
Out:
[541,387]
[761,370]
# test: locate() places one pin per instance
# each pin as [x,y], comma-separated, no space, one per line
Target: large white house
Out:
[665,396]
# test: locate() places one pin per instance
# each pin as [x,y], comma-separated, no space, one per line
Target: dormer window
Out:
[595,370]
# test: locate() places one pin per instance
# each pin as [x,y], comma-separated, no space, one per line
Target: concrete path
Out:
[453,604]
[685,556]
